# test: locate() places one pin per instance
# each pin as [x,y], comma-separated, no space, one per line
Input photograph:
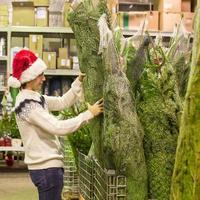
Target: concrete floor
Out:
[16,186]
[15,183]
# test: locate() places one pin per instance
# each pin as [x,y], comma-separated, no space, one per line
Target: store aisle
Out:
[16,185]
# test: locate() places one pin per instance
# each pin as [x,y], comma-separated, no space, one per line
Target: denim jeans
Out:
[49,182]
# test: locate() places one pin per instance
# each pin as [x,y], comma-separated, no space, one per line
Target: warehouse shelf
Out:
[129,32]
[34,29]
[135,3]
[4,58]
[4,28]
[62,72]
[11,148]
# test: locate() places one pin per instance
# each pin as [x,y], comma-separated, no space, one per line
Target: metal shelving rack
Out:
[51,32]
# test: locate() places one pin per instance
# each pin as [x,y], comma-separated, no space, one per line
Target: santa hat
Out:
[26,67]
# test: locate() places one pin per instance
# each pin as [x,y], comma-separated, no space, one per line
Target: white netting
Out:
[105,33]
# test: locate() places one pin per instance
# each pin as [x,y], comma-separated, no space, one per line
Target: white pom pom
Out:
[13,82]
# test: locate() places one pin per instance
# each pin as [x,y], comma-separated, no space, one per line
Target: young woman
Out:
[39,129]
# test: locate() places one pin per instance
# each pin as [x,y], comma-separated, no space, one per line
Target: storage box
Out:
[38,53]
[41,16]
[136,18]
[23,14]
[3,7]
[50,59]
[133,20]
[63,53]
[188,18]
[38,3]
[4,20]
[186,5]
[169,5]
[169,20]
[64,63]
[36,43]
[55,19]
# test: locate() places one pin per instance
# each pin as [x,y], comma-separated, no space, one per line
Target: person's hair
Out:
[23,86]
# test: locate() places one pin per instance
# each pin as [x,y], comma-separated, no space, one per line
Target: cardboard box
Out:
[36,43]
[41,16]
[136,18]
[55,19]
[3,7]
[169,5]
[188,18]
[186,6]
[38,53]
[38,3]
[3,22]
[23,14]
[63,53]
[64,63]
[50,59]
[169,20]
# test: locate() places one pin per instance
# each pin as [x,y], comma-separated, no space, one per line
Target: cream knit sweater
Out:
[39,129]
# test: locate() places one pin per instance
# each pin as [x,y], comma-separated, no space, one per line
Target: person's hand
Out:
[81,76]
[96,108]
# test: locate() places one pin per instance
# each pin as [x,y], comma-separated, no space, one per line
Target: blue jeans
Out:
[49,182]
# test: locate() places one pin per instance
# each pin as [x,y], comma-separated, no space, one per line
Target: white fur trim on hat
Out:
[37,68]
[13,82]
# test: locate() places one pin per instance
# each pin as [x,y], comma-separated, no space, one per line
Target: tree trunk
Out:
[84,25]
[186,176]
[123,133]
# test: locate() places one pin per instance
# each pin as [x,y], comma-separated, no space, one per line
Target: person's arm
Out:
[49,123]
[36,115]
[67,100]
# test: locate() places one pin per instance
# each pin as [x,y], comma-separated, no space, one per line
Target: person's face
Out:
[36,83]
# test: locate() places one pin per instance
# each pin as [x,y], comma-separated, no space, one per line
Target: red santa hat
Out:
[26,67]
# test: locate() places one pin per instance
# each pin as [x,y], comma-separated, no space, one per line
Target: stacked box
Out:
[133,20]
[55,19]
[39,3]
[63,60]
[171,14]
[169,5]
[56,8]
[23,13]
[186,6]
[75,63]
[36,44]
[168,20]
[50,59]
[188,18]
[41,16]
[3,15]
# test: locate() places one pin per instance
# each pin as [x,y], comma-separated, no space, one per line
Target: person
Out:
[39,129]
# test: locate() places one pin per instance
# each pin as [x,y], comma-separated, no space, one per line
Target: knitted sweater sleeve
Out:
[49,123]
[67,100]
